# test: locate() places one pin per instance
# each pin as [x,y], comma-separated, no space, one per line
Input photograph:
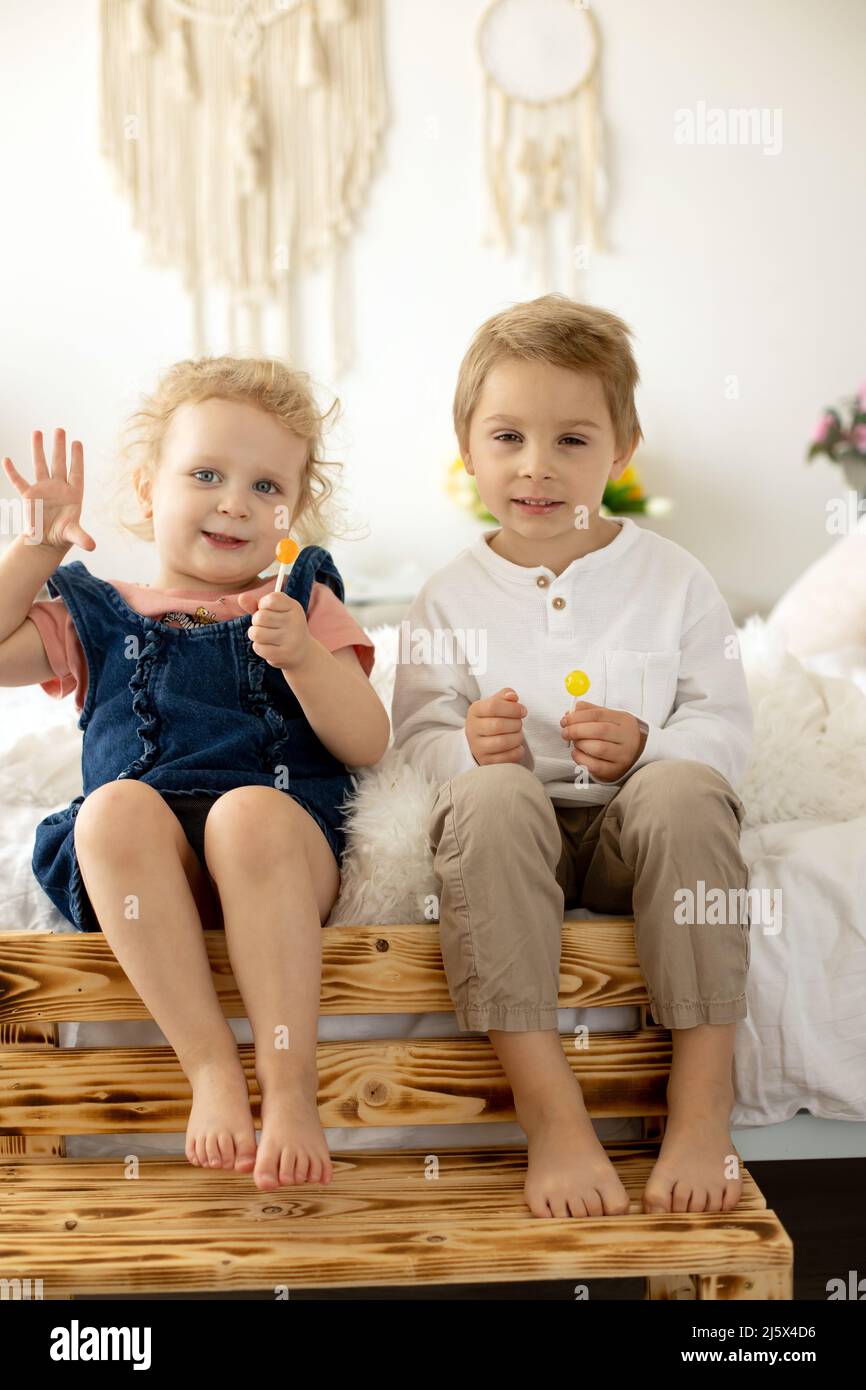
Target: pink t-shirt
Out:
[327,618]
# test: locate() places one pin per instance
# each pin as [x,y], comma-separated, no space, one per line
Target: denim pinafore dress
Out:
[187,710]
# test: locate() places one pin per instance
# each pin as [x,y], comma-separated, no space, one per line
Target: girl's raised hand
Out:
[60,497]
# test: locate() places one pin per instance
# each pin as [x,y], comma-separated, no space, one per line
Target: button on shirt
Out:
[641,616]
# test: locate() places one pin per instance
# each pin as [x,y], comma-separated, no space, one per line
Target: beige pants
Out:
[509,862]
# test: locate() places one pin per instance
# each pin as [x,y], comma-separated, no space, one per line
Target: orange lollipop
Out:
[287,553]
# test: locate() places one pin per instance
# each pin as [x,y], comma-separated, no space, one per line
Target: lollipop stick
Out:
[286,553]
[579,683]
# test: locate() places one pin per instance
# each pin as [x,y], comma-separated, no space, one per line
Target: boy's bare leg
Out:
[277,880]
[698,1168]
[123,832]
[569,1173]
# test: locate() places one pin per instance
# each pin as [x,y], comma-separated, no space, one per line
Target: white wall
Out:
[723,259]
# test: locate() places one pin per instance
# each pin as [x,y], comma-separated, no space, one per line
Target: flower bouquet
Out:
[841,433]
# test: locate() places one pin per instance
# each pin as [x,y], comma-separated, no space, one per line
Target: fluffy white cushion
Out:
[810,733]
[388,867]
[825,609]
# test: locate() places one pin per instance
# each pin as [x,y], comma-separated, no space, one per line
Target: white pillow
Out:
[825,609]
[810,735]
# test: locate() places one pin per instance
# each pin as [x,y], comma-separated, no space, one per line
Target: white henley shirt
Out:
[641,616]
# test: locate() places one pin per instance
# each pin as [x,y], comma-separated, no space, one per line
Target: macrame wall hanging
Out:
[244,133]
[543,133]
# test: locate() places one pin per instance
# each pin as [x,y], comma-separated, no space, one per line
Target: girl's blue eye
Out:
[261,480]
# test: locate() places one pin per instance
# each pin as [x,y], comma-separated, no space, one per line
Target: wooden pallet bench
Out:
[397,1217]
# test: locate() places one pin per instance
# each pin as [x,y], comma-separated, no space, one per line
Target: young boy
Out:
[625,804]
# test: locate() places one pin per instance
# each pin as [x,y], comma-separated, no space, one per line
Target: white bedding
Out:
[803,1045]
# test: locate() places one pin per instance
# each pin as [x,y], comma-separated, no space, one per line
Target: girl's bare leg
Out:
[137,866]
[277,881]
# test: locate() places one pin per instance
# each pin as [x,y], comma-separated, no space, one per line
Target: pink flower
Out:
[861,396]
[858,438]
[823,428]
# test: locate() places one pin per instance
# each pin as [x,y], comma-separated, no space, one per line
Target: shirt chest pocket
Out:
[643,683]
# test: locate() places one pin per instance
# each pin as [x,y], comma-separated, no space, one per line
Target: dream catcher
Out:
[542,131]
[244,133]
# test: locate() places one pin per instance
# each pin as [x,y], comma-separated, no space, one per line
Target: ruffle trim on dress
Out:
[148,728]
[81,908]
[261,705]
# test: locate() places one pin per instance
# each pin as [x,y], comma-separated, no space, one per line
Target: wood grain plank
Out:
[14,1144]
[435,1250]
[112,1195]
[61,976]
[377,1082]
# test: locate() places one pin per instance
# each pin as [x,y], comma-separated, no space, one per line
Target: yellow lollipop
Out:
[287,553]
[577,683]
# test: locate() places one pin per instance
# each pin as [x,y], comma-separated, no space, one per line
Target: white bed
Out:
[803,1045]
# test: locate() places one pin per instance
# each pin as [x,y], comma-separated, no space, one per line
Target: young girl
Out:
[219,720]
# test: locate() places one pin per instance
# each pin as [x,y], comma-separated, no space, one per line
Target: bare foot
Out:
[292,1146]
[220,1132]
[698,1168]
[569,1173]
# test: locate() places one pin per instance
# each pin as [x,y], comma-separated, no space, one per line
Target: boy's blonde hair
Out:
[268,383]
[558,330]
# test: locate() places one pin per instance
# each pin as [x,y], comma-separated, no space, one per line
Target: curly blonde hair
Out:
[275,387]
[555,329]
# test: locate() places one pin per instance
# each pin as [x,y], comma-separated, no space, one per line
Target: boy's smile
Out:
[536,506]
[541,447]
